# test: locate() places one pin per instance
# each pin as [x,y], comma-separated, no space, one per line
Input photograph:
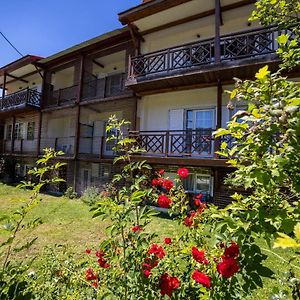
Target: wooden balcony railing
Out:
[180,143]
[21,146]
[62,96]
[101,88]
[240,45]
[64,144]
[23,98]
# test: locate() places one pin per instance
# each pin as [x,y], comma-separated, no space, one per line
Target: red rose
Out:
[136,228]
[163,201]
[168,184]
[228,267]
[147,273]
[201,278]
[168,284]
[183,173]
[199,196]
[95,284]
[99,253]
[232,251]
[161,172]
[157,251]
[90,275]
[188,221]
[88,251]
[168,240]
[102,263]
[199,256]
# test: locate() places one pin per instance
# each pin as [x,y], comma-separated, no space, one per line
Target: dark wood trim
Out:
[219,104]
[38,146]
[13,135]
[26,60]
[217,31]
[106,44]
[4,86]
[147,9]
[198,16]
[184,87]
[98,64]
[22,77]
[197,162]
[17,78]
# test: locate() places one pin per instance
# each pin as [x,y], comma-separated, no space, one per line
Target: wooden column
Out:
[13,135]
[3,88]
[219,104]
[217,31]
[219,115]
[4,85]
[38,144]
[78,111]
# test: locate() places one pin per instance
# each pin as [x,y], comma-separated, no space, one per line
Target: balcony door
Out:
[200,125]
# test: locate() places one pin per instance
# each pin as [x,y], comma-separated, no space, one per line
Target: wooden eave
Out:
[110,39]
[147,9]
[17,110]
[204,76]
[184,161]
[17,64]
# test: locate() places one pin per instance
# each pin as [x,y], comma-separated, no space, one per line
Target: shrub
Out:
[91,196]
[70,193]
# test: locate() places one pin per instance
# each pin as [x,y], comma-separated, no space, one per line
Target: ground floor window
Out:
[196,183]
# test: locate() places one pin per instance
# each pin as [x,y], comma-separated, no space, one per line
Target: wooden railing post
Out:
[55,144]
[167,143]
[102,146]
[21,146]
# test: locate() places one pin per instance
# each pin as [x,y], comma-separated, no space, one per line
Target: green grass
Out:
[69,222]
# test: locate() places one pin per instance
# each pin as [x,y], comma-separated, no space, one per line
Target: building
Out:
[166,71]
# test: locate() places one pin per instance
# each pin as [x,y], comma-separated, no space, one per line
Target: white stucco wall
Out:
[153,110]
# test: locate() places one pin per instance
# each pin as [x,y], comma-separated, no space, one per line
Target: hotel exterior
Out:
[166,71]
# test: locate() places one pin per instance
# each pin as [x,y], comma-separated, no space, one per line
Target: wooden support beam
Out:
[17,78]
[38,144]
[24,76]
[4,86]
[217,31]
[201,15]
[219,104]
[13,135]
[98,64]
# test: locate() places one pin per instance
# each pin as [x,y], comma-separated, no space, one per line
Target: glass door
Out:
[200,125]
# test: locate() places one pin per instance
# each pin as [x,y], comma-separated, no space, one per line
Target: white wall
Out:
[153,110]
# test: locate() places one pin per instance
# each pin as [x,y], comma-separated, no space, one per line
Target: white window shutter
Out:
[176,119]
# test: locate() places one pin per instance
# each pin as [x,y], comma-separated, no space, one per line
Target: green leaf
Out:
[262,73]
[284,241]
[297,231]
[283,39]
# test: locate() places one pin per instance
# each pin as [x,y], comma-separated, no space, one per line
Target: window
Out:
[104,170]
[19,131]
[199,183]
[200,119]
[8,132]
[30,131]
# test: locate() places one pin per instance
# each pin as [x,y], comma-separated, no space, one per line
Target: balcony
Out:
[199,143]
[20,100]
[236,50]
[64,144]
[61,97]
[20,146]
[102,88]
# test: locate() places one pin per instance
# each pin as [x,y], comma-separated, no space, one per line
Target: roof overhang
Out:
[103,41]
[147,9]
[19,63]
[19,69]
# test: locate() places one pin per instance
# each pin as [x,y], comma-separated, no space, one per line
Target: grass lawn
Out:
[69,222]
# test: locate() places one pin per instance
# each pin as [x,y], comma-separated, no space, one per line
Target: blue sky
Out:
[44,27]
